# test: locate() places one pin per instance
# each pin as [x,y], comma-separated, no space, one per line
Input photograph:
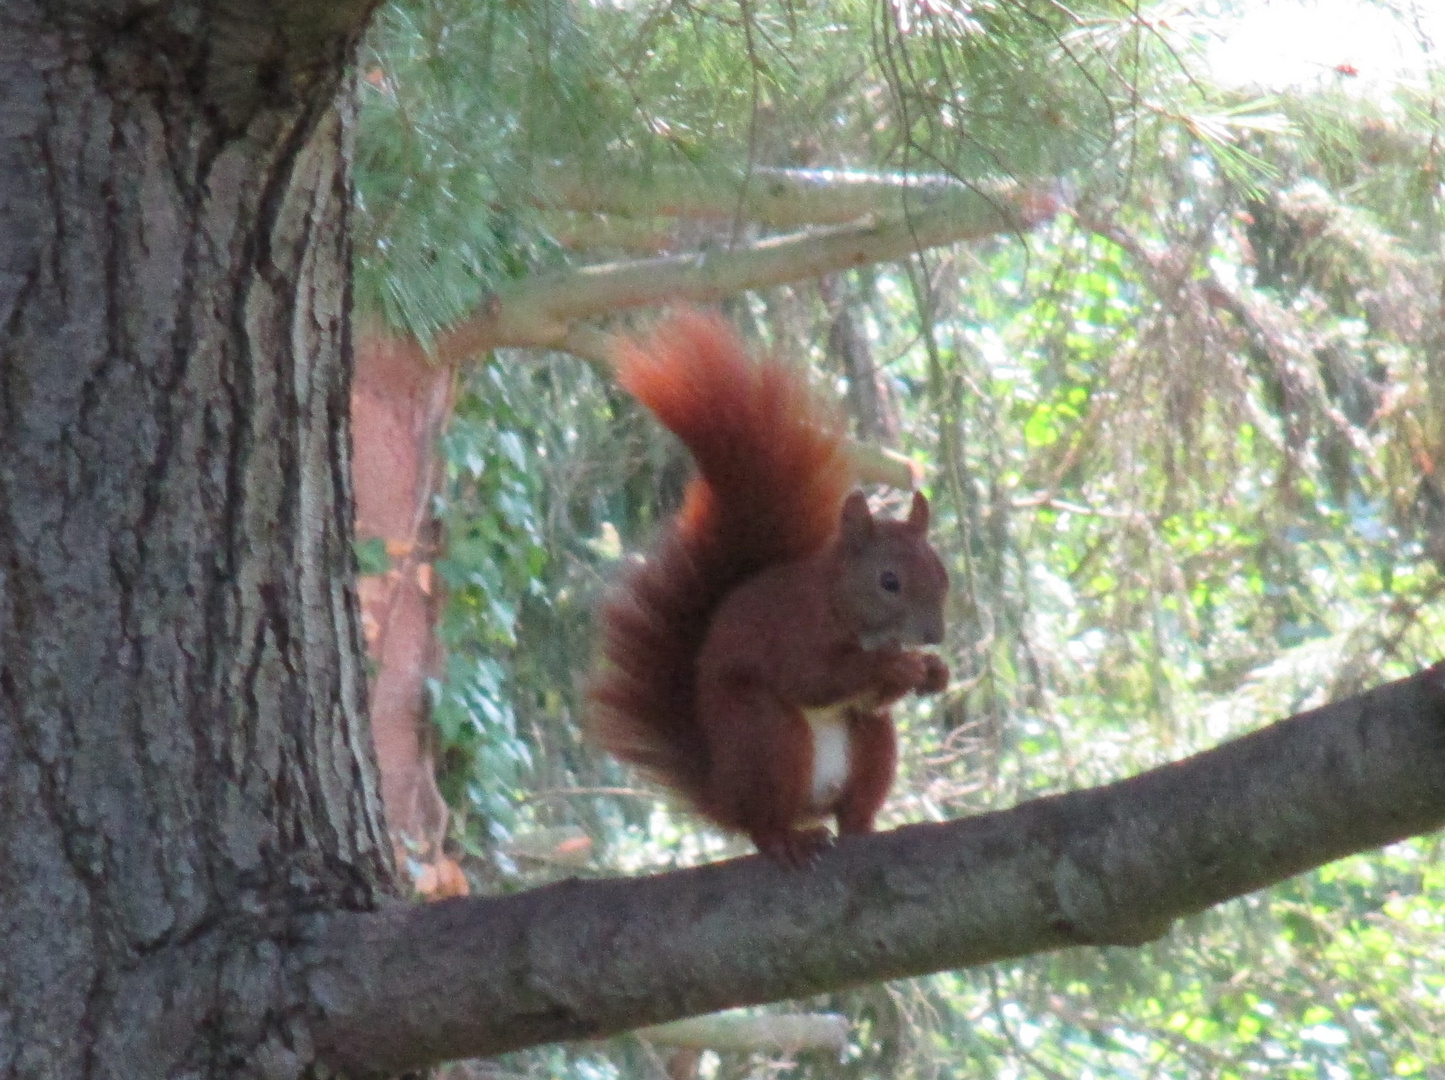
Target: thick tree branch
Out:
[1110,865]
[541,312]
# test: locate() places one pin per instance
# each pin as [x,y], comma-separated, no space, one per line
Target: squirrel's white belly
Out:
[830,755]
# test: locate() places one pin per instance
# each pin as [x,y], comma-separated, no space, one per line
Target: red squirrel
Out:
[749,661]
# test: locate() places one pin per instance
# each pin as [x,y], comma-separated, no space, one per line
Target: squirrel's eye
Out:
[888,581]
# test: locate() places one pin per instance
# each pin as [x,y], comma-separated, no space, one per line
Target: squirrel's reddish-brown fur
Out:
[715,645]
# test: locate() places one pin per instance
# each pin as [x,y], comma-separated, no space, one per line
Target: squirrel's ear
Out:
[856,523]
[918,515]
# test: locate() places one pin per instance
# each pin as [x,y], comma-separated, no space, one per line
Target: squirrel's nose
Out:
[933,630]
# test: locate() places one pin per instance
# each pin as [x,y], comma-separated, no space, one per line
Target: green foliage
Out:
[371,556]
[493,568]
[457,97]
[533,468]
[469,105]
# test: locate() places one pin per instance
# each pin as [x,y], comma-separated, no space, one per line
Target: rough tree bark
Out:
[184,762]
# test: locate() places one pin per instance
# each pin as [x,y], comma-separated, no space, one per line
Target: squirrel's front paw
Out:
[901,672]
[935,675]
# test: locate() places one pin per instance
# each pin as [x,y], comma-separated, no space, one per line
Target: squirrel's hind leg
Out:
[760,775]
[873,759]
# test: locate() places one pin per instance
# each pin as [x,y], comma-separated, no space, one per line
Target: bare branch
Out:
[749,1033]
[874,464]
[541,312]
[1109,865]
[779,198]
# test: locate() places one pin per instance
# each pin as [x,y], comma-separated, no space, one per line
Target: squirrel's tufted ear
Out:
[855,525]
[918,515]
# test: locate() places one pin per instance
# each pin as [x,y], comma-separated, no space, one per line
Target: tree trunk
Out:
[400,404]
[184,762]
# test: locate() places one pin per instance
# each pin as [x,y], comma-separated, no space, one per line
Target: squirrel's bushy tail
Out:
[773,472]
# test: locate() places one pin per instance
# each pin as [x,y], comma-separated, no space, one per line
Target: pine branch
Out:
[1110,865]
